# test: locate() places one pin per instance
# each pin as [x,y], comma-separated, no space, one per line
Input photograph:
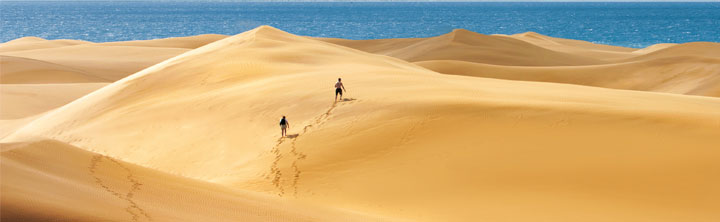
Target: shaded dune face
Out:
[195,137]
[77,185]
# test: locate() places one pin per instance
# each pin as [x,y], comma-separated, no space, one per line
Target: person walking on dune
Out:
[339,87]
[284,125]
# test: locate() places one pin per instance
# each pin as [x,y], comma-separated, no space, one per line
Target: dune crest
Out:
[576,47]
[30,43]
[699,49]
[689,68]
[464,45]
[189,42]
[681,75]
[653,48]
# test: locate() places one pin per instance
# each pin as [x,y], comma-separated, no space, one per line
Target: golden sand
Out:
[459,127]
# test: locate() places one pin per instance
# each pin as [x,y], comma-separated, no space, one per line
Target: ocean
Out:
[623,24]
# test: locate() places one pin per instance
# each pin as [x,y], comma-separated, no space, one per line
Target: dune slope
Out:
[188,42]
[51,181]
[29,43]
[105,62]
[108,61]
[576,47]
[681,75]
[464,45]
[689,68]
[407,142]
[700,49]
[23,100]
[18,70]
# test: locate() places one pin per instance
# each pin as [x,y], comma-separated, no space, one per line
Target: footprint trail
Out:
[296,155]
[133,209]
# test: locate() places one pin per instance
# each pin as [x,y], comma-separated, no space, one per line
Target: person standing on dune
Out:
[339,87]
[284,125]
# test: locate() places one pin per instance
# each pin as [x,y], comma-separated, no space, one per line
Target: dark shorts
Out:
[338,91]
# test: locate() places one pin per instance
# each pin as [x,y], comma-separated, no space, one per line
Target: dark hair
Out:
[339,79]
[283,117]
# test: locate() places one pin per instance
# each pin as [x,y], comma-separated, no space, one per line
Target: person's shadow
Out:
[292,135]
[347,99]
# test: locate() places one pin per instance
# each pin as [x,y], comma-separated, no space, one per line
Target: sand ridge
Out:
[681,74]
[29,43]
[688,68]
[464,45]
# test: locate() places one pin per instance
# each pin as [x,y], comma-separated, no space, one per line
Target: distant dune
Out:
[682,75]
[23,100]
[19,70]
[690,68]
[458,127]
[110,61]
[699,49]
[190,42]
[464,45]
[30,43]
[576,47]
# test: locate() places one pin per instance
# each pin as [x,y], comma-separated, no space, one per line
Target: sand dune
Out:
[682,75]
[22,100]
[653,48]
[553,43]
[690,68]
[577,47]
[407,143]
[189,42]
[524,49]
[105,62]
[30,43]
[102,61]
[376,46]
[18,70]
[51,181]
[8,126]
[700,49]
[62,72]
[464,45]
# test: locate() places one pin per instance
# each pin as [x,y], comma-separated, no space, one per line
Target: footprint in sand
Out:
[296,155]
[97,163]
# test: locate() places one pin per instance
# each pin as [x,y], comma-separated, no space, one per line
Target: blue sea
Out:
[624,24]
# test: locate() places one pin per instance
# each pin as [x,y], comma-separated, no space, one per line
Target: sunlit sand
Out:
[458,127]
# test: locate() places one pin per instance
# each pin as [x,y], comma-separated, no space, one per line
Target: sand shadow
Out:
[346,100]
[292,135]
